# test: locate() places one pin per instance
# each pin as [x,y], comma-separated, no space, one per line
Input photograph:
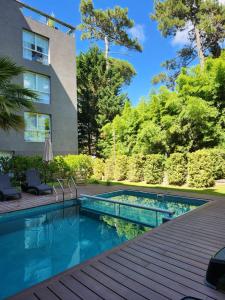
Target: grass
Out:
[218,190]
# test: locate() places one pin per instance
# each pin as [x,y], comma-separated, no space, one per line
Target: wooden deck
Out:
[169,262]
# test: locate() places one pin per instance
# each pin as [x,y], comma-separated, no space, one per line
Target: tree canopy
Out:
[204,21]
[109,25]
[184,120]
[100,95]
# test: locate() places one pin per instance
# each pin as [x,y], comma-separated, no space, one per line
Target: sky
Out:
[156,48]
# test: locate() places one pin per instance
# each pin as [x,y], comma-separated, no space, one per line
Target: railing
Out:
[66,183]
[145,215]
[42,17]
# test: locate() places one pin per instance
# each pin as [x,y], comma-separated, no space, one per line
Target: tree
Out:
[185,120]
[109,26]
[204,21]
[100,96]
[13,97]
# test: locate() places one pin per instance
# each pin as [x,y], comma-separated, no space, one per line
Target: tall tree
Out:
[13,97]
[204,22]
[100,96]
[108,25]
[187,119]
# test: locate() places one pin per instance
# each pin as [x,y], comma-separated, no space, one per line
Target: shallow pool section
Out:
[145,208]
[39,243]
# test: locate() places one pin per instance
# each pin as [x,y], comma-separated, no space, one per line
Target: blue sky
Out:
[156,48]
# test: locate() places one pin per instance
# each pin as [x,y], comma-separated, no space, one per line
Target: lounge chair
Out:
[6,188]
[33,183]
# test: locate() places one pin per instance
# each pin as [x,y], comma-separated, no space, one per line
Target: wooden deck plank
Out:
[108,281]
[147,282]
[62,291]
[45,293]
[96,286]
[164,276]
[166,263]
[80,290]
[133,285]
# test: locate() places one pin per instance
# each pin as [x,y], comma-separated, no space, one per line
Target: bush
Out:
[154,169]
[18,165]
[78,166]
[176,166]
[98,168]
[218,158]
[120,169]
[201,169]
[135,168]
[109,169]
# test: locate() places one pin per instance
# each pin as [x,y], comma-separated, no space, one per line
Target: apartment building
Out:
[45,46]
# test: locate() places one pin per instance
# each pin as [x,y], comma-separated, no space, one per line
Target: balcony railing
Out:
[46,19]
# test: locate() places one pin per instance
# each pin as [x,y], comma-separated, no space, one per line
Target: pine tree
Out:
[108,25]
[205,22]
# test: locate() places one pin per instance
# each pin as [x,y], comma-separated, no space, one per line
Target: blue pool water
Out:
[39,243]
[169,206]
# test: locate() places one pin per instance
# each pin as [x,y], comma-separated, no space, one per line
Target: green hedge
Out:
[98,168]
[176,166]
[78,166]
[218,159]
[62,166]
[120,169]
[135,171]
[201,169]
[109,169]
[154,169]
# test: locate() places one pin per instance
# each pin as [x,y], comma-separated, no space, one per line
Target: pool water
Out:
[169,206]
[39,243]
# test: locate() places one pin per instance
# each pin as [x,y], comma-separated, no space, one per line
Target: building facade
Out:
[45,46]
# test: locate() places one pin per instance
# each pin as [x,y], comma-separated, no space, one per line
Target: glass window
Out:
[39,84]
[35,47]
[37,127]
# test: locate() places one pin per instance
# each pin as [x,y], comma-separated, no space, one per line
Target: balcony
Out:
[46,19]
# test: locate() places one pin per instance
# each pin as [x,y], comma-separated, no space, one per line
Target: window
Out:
[37,127]
[39,84]
[35,47]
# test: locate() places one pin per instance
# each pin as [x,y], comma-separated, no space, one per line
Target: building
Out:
[45,46]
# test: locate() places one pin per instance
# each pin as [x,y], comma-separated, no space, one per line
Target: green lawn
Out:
[218,190]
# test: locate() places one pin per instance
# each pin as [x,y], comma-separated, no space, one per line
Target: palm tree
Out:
[13,97]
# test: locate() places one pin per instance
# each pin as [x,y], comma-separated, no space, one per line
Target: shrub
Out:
[154,169]
[218,158]
[201,169]
[176,166]
[18,165]
[109,169]
[98,168]
[78,166]
[120,169]
[135,168]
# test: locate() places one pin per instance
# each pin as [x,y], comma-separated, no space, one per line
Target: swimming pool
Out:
[38,243]
[148,209]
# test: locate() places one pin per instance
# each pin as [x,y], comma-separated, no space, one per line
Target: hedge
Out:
[109,169]
[120,168]
[98,168]
[218,159]
[176,166]
[135,171]
[154,169]
[201,169]
[61,166]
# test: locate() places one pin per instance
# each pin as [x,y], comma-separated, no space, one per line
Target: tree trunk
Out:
[199,47]
[107,52]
